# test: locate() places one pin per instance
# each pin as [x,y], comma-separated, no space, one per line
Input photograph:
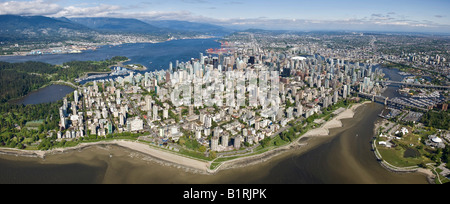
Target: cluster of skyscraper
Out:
[236,98]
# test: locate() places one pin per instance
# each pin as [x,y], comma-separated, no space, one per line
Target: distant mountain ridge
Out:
[12,22]
[39,28]
[123,25]
[150,26]
[32,29]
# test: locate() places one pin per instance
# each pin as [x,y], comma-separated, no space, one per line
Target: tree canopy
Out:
[440,120]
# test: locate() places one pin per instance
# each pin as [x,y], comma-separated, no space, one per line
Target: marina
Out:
[115,72]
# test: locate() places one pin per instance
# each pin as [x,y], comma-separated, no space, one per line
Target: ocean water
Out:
[155,56]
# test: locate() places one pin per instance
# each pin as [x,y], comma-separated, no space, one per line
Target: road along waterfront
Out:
[196,165]
[344,156]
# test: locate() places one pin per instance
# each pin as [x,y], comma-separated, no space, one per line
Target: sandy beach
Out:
[335,122]
[166,156]
[322,131]
[22,153]
[195,165]
[172,158]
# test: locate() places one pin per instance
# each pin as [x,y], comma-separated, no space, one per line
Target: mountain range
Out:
[118,25]
[14,29]
[39,28]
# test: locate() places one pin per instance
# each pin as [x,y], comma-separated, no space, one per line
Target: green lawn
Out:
[395,157]
[34,124]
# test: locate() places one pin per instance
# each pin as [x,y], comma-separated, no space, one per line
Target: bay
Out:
[155,56]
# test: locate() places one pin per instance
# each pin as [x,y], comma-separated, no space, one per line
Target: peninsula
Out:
[239,105]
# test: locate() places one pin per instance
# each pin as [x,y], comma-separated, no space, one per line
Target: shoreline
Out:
[160,156]
[197,167]
[395,169]
[24,54]
[194,165]
[322,131]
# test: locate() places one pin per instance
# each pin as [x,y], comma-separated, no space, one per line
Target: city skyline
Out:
[397,16]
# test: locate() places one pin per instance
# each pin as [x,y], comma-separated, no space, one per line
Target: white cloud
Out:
[376,23]
[195,1]
[48,8]
[102,10]
[159,15]
[37,7]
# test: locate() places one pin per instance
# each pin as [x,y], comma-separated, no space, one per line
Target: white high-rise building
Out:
[166,113]
[208,122]
[118,101]
[155,113]
[335,97]
[237,142]
[202,59]
[122,119]
[225,140]
[104,113]
[299,110]
[135,125]
[63,122]
[75,96]
[74,108]
[148,103]
[214,143]
[344,92]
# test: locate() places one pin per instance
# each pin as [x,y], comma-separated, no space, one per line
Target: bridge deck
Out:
[382,99]
[416,85]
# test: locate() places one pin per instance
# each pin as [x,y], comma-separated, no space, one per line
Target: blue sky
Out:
[383,15]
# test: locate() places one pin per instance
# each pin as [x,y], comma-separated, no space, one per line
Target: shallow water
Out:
[343,157]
